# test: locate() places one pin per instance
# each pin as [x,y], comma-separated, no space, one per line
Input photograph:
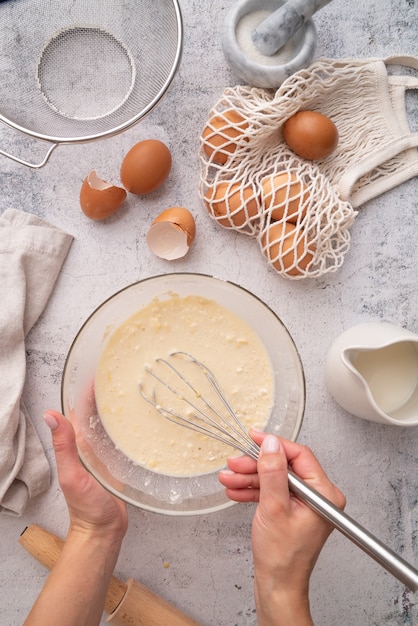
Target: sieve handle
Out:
[35,166]
[391,561]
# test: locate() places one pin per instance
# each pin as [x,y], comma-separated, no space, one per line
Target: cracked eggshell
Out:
[172,233]
[99,199]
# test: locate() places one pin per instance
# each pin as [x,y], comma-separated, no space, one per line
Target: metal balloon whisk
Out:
[214,417]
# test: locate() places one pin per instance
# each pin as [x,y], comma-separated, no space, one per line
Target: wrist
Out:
[95,538]
[75,591]
[97,531]
[281,605]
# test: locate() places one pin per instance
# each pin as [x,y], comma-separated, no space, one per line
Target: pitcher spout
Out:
[373,373]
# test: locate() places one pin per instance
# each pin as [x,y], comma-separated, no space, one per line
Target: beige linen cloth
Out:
[31,255]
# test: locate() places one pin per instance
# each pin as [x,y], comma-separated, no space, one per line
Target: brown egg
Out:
[146,166]
[222,134]
[172,233]
[285,246]
[310,135]
[99,199]
[285,197]
[233,205]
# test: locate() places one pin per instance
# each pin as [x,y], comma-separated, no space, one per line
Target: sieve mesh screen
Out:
[85,73]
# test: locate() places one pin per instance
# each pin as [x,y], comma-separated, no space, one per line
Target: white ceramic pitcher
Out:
[372,372]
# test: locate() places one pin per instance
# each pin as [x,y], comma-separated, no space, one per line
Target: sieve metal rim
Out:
[117,129]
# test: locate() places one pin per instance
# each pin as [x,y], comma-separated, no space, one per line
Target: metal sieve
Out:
[76,71]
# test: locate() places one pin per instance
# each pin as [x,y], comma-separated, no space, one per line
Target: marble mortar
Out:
[248,63]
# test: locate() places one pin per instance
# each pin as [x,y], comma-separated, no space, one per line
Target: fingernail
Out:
[270,444]
[51,421]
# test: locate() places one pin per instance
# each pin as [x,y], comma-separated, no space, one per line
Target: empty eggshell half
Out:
[99,199]
[172,233]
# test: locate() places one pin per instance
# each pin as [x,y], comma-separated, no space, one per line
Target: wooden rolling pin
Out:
[126,603]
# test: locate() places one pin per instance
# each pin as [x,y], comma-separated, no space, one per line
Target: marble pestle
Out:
[244,58]
[281,25]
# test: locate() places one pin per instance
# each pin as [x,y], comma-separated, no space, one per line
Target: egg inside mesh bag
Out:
[300,212]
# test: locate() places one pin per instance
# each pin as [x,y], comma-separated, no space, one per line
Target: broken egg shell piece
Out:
[172,233]
[99,199]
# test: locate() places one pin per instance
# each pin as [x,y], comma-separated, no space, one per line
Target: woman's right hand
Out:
[287,536]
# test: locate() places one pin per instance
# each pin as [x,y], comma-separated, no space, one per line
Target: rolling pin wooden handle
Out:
[126,603]
[142,607]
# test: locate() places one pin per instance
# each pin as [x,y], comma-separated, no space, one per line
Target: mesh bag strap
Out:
[396,160]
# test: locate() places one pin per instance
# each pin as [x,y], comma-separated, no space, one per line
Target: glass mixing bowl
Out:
[134,483]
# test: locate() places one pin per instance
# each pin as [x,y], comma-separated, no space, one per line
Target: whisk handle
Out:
[365,540]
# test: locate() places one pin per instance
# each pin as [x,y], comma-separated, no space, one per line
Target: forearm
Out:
[281,607]
[75,591]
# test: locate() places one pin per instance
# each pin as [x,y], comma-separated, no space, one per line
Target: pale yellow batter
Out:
[212,334]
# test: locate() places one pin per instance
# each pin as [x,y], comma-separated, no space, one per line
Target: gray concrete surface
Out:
[210,564]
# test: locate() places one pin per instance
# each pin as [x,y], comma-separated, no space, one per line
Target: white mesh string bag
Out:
[299,211]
